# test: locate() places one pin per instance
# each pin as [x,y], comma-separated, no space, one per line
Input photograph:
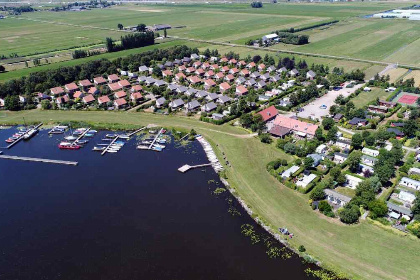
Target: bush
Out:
[266,138]
[350,215]
[414,228]
[302,249]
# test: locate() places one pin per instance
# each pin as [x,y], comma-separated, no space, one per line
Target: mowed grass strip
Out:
[363,251]
[368,96]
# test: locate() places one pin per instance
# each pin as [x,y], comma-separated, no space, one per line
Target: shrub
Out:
[302,248]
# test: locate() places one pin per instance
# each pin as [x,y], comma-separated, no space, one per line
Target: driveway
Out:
[313,110]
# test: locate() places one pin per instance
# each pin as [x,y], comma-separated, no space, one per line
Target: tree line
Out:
[294,39]
[131,41]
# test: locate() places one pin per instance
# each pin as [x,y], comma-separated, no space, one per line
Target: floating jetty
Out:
[26,135]
[187,167]
[74,163]
[210,154]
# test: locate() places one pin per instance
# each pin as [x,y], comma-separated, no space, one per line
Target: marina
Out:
[28,134]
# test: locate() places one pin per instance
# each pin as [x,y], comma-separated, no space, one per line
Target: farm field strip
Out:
[414,74]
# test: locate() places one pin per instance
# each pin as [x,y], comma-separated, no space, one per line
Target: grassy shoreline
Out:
[362,251]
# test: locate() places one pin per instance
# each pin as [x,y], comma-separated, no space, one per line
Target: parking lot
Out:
[313,110]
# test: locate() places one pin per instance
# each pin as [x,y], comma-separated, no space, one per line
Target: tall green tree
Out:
[357,140]
[353,160]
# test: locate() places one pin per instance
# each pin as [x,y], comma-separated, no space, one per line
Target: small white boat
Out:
[99,149]
[70,138]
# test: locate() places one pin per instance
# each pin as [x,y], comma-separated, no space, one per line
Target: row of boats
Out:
[74,141]
[154,144]
[24,133]
[210,154]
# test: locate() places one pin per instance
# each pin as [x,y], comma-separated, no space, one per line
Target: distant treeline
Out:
[256,4]
[83,5]
[82,53]
[294,30]
[17,10]
[294,39]
[42,81]
[131,41]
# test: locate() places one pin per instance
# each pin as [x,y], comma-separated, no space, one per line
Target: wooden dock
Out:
[157,136]
[137,131]
[21,137]
[187,167]
[107,147]
[74,163]
[80,136]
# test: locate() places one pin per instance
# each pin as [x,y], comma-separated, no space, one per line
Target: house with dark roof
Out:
[336,198]
[160,102]
[338,117]
[192,105]
[209,107]
[358,121]
[398,133]
[310,75]
[279,131]
[176,103]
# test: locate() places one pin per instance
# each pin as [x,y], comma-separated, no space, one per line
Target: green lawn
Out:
[365,97]
[362,251]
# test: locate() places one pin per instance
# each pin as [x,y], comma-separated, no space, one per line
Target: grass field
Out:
[365,97]
[395,74]
[362,251]
[414,74]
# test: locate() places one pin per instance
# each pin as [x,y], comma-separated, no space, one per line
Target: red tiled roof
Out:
[136,88]
[269,113]
[245,72]
[78,94]
[210,82]
[224,86]
[295,125]
[124,83]
[240,90]
[92,90]
[115,86]
[261,66]
[71,87]
[194,79]
[225,68]
[113,78]
[103,99]
[88,98]
[99,80]
[85,83]
[167,73]
[120,101]
[57,90]
[120,94]
[180,75]
[136,95]
[230,77]
[219,75]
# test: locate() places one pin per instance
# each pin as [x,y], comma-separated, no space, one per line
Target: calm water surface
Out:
[128,215]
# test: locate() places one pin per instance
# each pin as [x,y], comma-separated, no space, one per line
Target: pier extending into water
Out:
[21,137]
[74,163]
[154,140]
[187,167]
[80,136]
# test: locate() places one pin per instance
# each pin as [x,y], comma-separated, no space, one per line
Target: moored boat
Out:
[68,146]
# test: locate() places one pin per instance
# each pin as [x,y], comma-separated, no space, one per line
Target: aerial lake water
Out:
[127,215]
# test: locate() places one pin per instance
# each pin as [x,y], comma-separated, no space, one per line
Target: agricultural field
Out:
[414,74]
[395,74]
[368,96]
